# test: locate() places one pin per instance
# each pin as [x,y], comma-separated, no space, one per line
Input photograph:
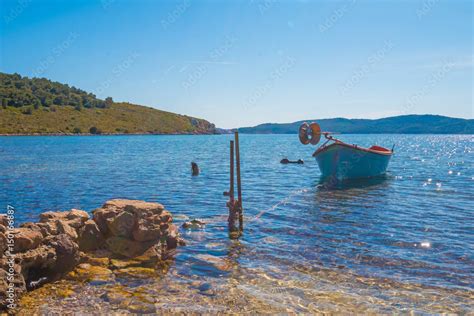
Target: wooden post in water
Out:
[235,206]
[231,203]
[239,184]
[231,191]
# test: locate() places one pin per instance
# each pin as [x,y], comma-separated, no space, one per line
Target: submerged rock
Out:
[135,302]
[194,224]
[94,260]
[136,272]
[86,272]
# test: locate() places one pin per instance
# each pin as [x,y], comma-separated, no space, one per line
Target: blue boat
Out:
[340,160]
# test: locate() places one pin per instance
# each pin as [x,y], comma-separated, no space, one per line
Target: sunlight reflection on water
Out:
[402,242]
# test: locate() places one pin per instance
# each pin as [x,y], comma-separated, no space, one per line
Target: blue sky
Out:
[241,63]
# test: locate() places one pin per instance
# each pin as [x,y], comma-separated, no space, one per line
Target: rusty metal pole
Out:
[239,184]
[231,203]
[231,189]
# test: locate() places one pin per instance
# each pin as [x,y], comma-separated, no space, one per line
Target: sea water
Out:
[403,242]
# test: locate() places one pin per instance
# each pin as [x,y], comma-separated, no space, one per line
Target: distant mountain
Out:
[405,124]
[41,106]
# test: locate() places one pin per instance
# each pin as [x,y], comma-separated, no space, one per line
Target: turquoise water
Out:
[402,242]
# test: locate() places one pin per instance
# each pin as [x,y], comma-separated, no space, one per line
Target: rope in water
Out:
[280,203]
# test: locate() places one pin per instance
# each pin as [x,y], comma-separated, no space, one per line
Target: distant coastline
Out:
[405,124]
[108,134]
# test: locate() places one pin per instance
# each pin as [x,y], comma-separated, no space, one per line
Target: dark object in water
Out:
[287,161]
[194,168]
[194,224]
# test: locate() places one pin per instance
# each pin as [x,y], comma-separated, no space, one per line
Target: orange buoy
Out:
[303,133]
[315,133]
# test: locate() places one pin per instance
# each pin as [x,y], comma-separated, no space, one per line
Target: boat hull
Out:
[344,161]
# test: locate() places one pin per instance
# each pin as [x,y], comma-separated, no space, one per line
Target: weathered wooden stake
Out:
[231,191]
[232,203]
[235,205]
[239,184]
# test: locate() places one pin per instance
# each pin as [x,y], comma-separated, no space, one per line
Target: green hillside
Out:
[40,106]
[405,124]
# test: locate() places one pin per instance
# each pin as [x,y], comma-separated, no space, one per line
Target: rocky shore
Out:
[122,237]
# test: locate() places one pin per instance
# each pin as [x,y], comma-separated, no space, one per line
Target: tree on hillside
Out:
[95,130]
[108,102]
[23,91]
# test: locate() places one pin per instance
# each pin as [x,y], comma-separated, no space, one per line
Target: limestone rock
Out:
[7,293]
[19,287]
[172,240]
[49,216]
[3,220]
[49,228]
[90,237]
[194,224]
[67,252]
[64,228]
[146,230]
[3,289]
[3,244]
[121,225]
[131,227]
[74,214]
[140,208]
[26,239]
[151,256]
[31,226]
[140,231]
[43,257]
[101,216]
[126,247]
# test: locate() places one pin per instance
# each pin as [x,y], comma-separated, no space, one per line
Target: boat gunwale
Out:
[338,142]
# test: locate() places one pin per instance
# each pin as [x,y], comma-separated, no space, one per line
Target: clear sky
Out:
[244,62]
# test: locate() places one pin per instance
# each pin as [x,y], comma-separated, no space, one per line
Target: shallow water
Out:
[404,242]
